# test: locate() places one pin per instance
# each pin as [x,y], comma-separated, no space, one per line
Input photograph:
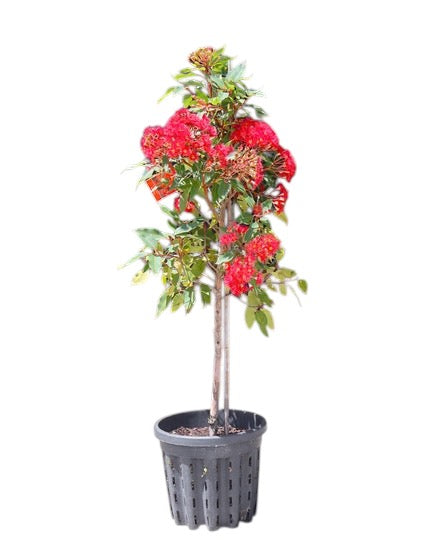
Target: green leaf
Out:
[169,212]
[133,259]
[283,217]
[198,267]
[148,173]
[150,237]
[140,277]
[280,254]
[186,227]
[250,201]
[194,189]
[283,289]
[287,273]
[220,190]
[162,304]
[155,263]
[258,111]
[249,316]
[270,320]
[235,74]
[267,204]
[263,297]
[189,298]
[253,300]
[303,285]
[245,218]
[184,73]
[177,301]
[171,90]
[222,95]
[262,321]
[188,100]
[238,186]
[226,257]
[205,294]
[217,80]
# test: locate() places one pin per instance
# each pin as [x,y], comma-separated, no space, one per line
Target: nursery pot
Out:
[211,480]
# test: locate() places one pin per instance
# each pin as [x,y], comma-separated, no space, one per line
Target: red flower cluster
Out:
[259,174]
[238,273]
[242,270]
[285,164]
[218,155]
[279,201]
[190,206]
[259,135]
[254,133]
[184,135]
[235,231]
[263,247]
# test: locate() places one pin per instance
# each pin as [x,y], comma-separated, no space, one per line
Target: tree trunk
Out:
[230,216]
[213,415]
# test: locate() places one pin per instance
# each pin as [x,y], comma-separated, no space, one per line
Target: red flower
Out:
[254,133]
[190,206]
[239,228]
[257,210]
[279,201]
[259,173]
[234,232]
[263,247]
[218,154]
[259,279]
[152,142]
[285,164]
[184,135]
[238,273]
[227,239]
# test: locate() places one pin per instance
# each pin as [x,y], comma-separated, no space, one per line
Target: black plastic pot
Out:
[212,480]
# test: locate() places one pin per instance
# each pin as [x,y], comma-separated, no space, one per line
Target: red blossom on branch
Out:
[285,164]
[238,274]
[254,133]
[184,135]
[190,206]
[233,234]
[279,201]
[263,247]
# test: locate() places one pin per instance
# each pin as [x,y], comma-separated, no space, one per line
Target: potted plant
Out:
[224,168]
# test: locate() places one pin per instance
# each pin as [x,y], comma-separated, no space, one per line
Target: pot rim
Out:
[210,440]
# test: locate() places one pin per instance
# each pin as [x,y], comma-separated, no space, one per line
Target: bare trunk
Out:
[230,216]
[213,415]
[226,364]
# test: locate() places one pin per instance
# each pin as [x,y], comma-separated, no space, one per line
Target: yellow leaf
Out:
[140,277]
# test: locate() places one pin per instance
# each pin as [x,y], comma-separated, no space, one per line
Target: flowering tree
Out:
[224,168]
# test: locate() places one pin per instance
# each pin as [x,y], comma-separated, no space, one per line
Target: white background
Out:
[86,369]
